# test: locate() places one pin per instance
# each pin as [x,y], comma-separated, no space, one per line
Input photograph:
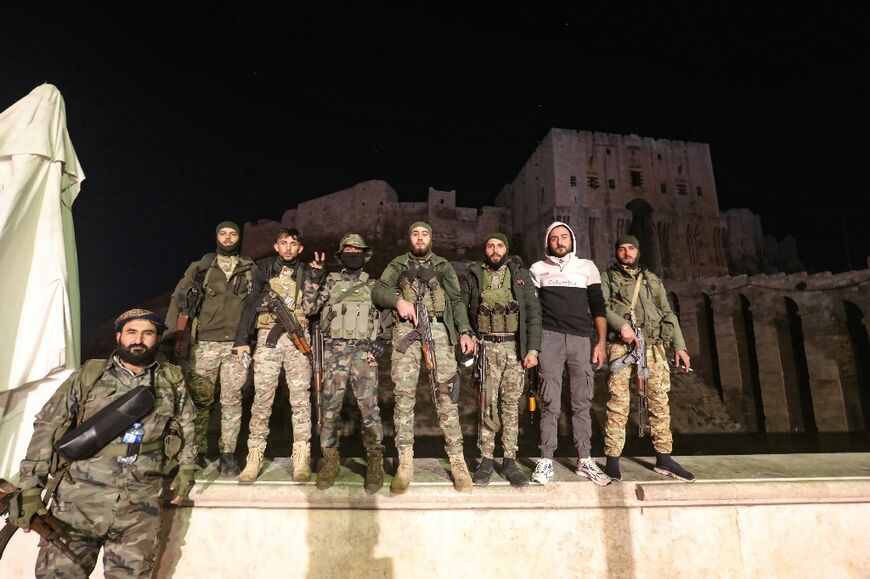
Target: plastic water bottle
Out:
[133,440]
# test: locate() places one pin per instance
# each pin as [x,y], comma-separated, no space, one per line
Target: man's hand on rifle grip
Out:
[406,311]
[628,336]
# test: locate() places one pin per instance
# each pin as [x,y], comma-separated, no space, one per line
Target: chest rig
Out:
[499,312]
[349,313]
[422,282]
[290,292]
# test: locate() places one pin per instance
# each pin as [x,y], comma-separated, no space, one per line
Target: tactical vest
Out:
[433,298]
[349,314]
[292,296]
[499,312]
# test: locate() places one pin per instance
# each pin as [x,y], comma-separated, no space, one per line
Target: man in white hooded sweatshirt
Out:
[574,332]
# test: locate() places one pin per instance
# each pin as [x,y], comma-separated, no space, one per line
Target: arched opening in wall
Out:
[642,227]
[861,352]
[799,355]
[753,403]
[707,334]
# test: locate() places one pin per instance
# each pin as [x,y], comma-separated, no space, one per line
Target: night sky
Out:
[182,120]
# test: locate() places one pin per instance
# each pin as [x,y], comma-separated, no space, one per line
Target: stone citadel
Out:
[785,352]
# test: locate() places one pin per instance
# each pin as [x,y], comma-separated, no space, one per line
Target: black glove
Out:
[378,347]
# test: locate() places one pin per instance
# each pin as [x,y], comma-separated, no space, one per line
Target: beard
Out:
[560,251]
[495,261]
[420,252]
[136,354]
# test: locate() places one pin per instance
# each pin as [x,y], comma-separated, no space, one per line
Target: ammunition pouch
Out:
[97,432]
[498,318]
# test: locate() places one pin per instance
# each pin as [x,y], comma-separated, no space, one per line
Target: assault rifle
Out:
[423,332]
[637,356]
[188,308]
[287,322]
[317,366]
[532,374]
[46,526]
[480,372]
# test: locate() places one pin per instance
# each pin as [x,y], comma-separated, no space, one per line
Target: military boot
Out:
[461,477]
[301,461]
[229,466]
[483,472]
[374,471]
[511,472]
[329,471]
[252,466]
[405,472]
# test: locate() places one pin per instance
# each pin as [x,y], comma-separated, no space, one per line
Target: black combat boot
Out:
[611,469]
[511,472]
[229,466]
[483,472]
[669,467]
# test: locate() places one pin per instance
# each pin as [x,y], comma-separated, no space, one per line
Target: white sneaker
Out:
[590,469]
[543,471]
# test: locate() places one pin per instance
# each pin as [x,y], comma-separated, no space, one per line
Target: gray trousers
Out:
[557,349]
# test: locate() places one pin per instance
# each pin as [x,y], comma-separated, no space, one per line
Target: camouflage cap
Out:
[139,314]
[353,240]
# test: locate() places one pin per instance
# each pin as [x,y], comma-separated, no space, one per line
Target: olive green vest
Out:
[349,313]
[499,312]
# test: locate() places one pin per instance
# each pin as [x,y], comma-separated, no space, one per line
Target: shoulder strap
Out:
[634,296]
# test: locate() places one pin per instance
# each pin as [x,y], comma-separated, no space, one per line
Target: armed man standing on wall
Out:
[208,301]
[506,314]
[286,277]
[350,324]
[120,423]
[422,275]
[627,286]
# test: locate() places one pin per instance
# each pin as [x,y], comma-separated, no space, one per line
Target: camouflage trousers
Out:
[405,372]
[297,371]
[505,380]
[658,386]
[201,369]
[343,361]
[122,518]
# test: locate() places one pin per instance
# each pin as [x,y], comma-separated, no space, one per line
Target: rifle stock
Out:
[46,526]
[182,335]
[317,368]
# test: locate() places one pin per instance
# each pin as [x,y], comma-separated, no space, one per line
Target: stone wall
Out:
[605,185]
[787,352]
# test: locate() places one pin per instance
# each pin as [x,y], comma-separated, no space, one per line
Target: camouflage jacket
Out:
[66,409]
[385,293]
[652,309]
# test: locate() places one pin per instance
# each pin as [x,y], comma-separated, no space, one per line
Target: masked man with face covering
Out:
[109,497]
[216,287]
[350,324]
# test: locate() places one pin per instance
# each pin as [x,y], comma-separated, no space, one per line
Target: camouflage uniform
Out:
[507,339]
[661,330]
[226,282]
[104,503]
[449,318]
[289,282]
[346,352]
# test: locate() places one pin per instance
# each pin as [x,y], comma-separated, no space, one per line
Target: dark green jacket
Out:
[652,309]
[524,293]
[223,300]
[385,294]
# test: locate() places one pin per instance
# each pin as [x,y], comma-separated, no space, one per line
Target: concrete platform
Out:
[747,516]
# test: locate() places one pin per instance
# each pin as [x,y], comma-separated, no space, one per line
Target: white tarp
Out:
[40,178]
